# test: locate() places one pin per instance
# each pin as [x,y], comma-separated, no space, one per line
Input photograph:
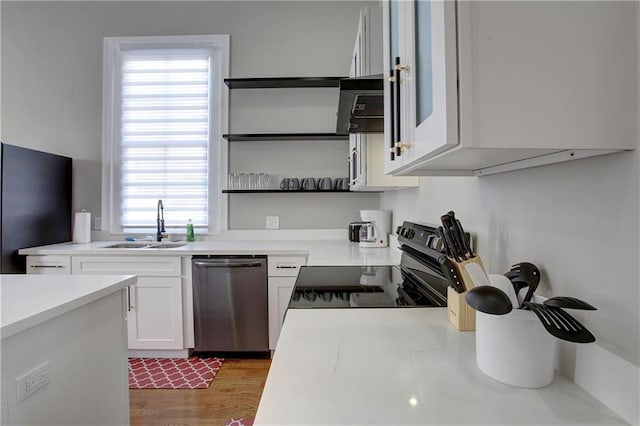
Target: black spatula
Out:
[560,324]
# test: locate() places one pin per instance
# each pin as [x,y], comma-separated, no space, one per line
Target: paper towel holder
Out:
[82,227]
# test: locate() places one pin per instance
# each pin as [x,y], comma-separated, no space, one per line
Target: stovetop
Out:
[418,281]
[356,287]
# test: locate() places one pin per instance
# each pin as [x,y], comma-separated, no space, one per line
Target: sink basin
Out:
[145,245]
[128,245]
[166,245]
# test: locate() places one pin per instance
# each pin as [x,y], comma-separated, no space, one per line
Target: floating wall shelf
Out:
[247,137]
[281,82]
[283,191]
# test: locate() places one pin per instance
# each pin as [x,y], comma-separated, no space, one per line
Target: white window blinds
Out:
[164,137]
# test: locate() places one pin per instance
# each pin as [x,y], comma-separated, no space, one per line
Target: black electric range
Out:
[419,280]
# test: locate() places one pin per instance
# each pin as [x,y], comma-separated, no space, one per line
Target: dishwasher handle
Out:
[228,263]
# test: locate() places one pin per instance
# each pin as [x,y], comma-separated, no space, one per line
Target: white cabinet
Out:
[366,150]
[155,313]
[50,265]
[282,273]
[366,165]
[488,87]
[155,320]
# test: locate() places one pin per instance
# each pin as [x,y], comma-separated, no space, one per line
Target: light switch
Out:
[273,222]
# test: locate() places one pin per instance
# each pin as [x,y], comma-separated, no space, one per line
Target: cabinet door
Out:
[357,161]
[154,319]
[430,78]
[280,289]
[423,98]
[391,54]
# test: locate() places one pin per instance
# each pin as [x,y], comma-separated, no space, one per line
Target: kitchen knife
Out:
[448,244]
[452,247]
[443,242]
[465,240]
[447,224]
[463,236]
[459,242]
[451,272]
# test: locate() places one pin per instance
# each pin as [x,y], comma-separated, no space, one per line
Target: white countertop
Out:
[401,367]
[29,300]
[319,252]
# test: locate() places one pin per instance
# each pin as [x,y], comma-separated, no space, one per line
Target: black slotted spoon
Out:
[524,274]
[569,303]
[560,324]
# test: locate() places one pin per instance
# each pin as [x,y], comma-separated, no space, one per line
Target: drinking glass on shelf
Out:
[263,181]
[232,182]
[243,182]
[253,181]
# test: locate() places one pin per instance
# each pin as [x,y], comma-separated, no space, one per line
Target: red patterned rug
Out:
[172,373]
[239,422]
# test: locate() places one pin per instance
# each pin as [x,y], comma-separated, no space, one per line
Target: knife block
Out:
[464,275]
[459,313]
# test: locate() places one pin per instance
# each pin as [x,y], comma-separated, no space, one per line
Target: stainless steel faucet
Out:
[160,231]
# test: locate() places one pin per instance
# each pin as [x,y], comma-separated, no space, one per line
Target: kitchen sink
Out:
[166,245]
[128,245]
[145,245]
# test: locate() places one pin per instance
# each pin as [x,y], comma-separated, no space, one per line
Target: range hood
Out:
[361,105]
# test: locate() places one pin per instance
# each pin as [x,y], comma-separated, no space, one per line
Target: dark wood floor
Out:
[235,392]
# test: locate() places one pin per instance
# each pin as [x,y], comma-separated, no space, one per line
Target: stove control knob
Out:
[411,233]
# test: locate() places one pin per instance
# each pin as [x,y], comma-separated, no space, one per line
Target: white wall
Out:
[52,75]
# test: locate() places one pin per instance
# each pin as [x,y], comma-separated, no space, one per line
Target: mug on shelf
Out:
[294,184]
[308,184]
[341,184]
[325,184]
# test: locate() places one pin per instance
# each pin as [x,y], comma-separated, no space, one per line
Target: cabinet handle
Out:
[398,152]
[47,266]
[392,151]
[402,146]
[286,267]
[130,307]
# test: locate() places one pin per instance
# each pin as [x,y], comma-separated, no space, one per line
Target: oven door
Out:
[421,277]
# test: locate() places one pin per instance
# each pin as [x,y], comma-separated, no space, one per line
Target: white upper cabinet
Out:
[484,87]
[366,150]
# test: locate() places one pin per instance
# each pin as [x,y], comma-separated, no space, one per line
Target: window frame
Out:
[218,125]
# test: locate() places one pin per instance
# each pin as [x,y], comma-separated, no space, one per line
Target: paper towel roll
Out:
[82,227]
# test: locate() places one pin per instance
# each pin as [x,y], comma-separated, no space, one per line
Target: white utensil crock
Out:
[515,349]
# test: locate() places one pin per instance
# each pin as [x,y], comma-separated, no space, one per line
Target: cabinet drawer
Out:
[285,266]
[54,265]
[138,265]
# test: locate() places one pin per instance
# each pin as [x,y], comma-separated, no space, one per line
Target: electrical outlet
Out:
[32,381]
[273,222]
[97,223]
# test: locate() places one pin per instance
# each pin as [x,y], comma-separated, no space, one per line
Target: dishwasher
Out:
[230,303]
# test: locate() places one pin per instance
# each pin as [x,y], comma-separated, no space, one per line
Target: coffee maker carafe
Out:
[374,231]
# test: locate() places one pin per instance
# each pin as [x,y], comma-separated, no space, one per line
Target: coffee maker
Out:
[374,231]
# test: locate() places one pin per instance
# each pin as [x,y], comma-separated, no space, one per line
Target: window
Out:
[164,111]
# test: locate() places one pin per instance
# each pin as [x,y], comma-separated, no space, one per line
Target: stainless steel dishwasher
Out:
[230,303]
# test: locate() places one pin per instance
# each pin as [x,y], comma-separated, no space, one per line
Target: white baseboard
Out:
[611,379]
[183,353]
